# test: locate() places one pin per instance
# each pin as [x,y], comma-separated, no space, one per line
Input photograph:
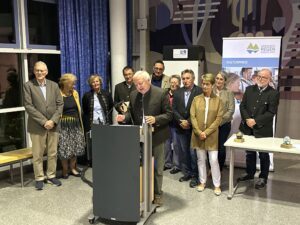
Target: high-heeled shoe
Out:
[75,174]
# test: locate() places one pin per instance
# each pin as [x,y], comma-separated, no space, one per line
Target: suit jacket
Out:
[165,82]
[40,110]
[214,119]
[155,103]
[179,110]
[227,99]
[261,106]
[122,93]
[106,103]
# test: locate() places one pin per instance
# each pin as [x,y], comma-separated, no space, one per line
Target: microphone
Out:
[112,108]
[144,119]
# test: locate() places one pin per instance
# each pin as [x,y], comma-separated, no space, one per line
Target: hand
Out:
[202,136]
[250,122]
[120,118]
[49,124]
[150,119]
[185,124]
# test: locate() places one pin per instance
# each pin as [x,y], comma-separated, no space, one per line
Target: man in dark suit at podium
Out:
[258,107]
[123,90]
[150,104]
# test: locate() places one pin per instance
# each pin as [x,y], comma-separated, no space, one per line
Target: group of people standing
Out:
[57,122]
[201,125]
[190,122]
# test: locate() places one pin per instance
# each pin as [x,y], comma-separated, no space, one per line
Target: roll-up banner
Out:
[242,58]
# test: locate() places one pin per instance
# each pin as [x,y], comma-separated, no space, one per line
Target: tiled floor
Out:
[72,202]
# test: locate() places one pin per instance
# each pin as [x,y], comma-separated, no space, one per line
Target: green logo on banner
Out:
[252,48]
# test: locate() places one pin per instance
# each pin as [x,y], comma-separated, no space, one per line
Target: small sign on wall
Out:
[180,53]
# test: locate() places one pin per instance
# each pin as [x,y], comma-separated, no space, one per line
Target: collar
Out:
[261,89]
[189,90]
[42,84]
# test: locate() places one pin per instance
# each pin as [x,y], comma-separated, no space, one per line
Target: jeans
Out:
[172,151]
[187,156]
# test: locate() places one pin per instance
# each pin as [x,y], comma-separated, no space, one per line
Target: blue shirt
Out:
[43,88]
[98,115]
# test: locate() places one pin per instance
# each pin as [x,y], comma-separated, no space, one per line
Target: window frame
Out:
[37,46]
[16,27]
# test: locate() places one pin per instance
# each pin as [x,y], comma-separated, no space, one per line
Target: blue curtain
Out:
[84,40]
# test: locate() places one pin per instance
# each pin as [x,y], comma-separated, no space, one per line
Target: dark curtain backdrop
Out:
[84,40]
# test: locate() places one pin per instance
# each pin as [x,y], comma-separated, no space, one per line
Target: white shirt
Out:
[206,108]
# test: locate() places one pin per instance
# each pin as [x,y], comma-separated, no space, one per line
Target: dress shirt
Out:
[43,87]
[98,115]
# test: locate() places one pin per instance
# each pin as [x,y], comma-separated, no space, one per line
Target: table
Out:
[15,156]
[269,144]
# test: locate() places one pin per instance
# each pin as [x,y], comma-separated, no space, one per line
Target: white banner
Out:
[242,58]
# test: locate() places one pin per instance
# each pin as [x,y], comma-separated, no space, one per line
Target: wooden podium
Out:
[122,173]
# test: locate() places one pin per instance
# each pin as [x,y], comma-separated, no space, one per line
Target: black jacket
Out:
[122,93]
[179,110]
[261,106]
[106,103]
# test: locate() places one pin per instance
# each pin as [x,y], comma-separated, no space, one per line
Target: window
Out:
[19,51]
[42,23]
[10,81]
[52,61]
[12,131]
[8,34]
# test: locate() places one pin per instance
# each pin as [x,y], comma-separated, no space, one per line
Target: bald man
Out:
[258,108]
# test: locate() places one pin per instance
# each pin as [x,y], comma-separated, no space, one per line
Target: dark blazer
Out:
[179,110]
[261,106]
[40,110]
[122,93]
[156,104]
[106,103]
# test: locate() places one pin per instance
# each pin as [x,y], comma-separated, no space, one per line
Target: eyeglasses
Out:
[262,78]
[39,71]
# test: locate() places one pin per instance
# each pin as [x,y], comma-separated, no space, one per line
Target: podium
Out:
[117,182]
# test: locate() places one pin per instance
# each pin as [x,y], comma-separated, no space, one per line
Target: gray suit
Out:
[39,111]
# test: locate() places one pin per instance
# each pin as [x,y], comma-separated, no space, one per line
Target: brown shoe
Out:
[158,200]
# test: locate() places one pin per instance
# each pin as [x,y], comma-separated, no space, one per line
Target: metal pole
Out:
[147,168]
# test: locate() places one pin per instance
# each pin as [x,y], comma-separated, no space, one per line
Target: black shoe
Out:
[261,183]
[193,182]
[54,181]
[65,176]
[185,178]
[174,171]
[39,185]
[245,178]
[166,168]
[75,174]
